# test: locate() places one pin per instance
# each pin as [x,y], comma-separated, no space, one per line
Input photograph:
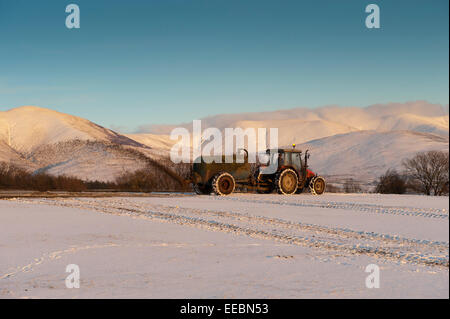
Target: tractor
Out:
[287,174]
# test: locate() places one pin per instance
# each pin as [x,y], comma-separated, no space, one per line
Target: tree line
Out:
[425,173]
[151,178]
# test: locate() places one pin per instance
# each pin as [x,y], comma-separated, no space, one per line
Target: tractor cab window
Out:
[297,160]
[288,158]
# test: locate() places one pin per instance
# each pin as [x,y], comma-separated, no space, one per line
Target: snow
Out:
[153,140]
[301,125]
[27,128]
[239,246]
[40,139]
[88,161]
[366,155]
[419,116]
[7,154]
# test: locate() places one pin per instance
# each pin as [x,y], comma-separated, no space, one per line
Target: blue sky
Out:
[168,61]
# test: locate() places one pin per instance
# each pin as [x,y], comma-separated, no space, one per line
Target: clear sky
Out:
[168,61]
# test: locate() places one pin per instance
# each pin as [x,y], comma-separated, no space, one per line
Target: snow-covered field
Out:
[241,246]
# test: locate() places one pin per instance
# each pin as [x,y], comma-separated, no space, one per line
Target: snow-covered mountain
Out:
[300,125]
[155,141]
[365,155]
[40,139]
[28,127]
[344,141]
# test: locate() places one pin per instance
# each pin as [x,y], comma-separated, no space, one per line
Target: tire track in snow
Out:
[238,226]
[55,255]
[345,232]
[367,208]
[51,256]
[331,234]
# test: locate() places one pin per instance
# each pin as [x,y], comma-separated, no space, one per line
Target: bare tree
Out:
[429,171]
[391,183]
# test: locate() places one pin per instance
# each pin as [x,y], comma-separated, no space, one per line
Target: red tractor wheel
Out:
[286,182]
[317,185]
[223,184]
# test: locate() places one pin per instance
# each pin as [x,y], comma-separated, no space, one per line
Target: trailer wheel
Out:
[317,185]
[223,184]
[286,182]
[202,189]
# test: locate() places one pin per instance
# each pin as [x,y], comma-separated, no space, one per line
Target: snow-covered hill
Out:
[43,140]
[303,124]
[89,160]
[9,155]
[28,127]
[365,155]
[298,130]
[155,141]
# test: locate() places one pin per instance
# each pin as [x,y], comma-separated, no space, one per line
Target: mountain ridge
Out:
[39,126]
[361,118]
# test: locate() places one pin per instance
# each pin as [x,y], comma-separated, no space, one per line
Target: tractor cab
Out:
[288,158]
